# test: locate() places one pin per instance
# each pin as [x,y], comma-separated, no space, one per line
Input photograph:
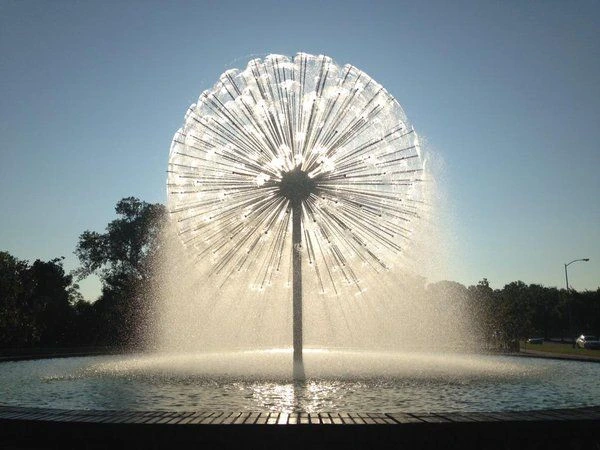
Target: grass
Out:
[559,348]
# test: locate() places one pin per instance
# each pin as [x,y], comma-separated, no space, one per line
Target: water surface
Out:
[350,381]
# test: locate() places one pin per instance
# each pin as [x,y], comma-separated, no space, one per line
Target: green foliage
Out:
[12,314]
[41,306]
[35,303]
[127,245]
[122,257]
[519,311]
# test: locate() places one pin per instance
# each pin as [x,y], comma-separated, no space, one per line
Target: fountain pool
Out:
[337,380]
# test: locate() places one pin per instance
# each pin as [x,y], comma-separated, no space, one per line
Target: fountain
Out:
[305,138]
[301,216]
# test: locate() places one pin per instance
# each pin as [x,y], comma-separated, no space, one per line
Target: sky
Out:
[506,96]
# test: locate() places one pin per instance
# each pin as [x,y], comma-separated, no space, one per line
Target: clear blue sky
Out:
[507,93]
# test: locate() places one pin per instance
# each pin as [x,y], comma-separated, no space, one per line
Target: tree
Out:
[12,321]
[35,303]
[483,305]
[49,292]
[586,312]
[515,312]
[122,257]
[127,245]
[449,314]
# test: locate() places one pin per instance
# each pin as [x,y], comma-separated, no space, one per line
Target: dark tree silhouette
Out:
[36,303]
[14,325]
[127,244]
[122,257]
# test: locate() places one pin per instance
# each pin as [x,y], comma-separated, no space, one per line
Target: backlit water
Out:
[349,381]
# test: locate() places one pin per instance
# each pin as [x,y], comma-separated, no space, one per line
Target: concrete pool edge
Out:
[8,412]
[24,427]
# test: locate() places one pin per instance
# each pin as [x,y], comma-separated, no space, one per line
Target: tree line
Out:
[41,306]
[517,311]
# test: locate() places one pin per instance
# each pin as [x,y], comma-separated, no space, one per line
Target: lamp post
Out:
[570,306]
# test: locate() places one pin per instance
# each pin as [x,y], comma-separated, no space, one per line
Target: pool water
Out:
[340,380]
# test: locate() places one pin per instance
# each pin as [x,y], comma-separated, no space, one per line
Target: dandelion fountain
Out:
[296,151]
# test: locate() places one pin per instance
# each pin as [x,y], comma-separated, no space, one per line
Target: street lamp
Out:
[567,282]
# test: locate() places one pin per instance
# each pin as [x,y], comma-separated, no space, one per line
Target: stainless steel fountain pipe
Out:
[297,280]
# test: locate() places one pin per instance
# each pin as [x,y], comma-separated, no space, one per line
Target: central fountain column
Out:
[297,287]
[297,186]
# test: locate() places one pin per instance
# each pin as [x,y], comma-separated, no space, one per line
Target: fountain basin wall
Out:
[549,429]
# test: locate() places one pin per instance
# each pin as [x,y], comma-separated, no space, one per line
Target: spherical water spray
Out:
[291,159]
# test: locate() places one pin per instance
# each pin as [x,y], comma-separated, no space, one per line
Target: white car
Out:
[587,341]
